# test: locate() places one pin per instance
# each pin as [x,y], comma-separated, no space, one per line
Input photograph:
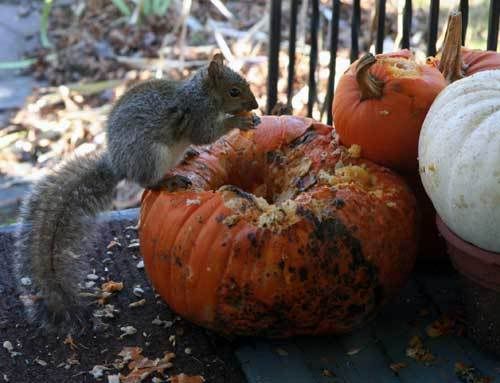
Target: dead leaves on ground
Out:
[417,351]
[107,290]
[469,374]
[141,367]
[446,325]
[183,378]
[112,286]
[396,367]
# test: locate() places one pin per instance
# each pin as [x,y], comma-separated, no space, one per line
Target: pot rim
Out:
[467,248]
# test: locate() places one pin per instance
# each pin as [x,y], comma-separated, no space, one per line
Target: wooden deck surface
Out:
[366,356]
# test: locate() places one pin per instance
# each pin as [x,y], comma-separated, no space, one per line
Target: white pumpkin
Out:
[459,158]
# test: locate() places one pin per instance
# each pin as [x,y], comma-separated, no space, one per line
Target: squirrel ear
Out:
[215,66]
[218,58]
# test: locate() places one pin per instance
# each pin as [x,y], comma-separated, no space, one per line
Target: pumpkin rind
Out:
[387,127]
[459,153]
[335,240]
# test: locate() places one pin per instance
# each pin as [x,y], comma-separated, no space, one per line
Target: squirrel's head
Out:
[230,88]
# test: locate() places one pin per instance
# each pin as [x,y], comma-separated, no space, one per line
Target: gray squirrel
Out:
[148,130]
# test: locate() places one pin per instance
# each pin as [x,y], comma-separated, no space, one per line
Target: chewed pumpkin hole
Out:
[257,210]
[282,210]
[402,68]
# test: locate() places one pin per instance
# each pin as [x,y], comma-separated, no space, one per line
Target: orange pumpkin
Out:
[431,245]
[281,233]
[455,61]
[380,104]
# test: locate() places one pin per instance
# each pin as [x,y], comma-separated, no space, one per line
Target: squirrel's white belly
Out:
[177,152]
[166,157]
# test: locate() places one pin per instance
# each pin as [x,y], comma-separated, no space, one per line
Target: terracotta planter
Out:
[480,271]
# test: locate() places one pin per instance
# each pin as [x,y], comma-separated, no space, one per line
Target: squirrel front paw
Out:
[176,182]
[243,123]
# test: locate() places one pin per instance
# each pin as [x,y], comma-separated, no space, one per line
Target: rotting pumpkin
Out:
[282,232]
[380,104]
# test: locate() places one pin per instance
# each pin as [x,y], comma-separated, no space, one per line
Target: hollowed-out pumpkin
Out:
[380,104]
[282,232]
[455,61]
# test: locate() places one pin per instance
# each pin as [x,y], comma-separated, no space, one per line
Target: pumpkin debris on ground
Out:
[138,303]
[469,374]
[183,378]
[396,367]
[417,351]
[70,342]
[112,286]
[327,372]
[445,325]
[141,367]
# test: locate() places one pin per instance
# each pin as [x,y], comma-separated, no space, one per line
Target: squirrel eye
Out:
[234,92]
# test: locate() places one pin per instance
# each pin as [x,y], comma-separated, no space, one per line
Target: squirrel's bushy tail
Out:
[54,225]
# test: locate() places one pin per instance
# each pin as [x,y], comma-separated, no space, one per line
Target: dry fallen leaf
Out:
[469,374]
[139,303]
[127,330]
[142,367]
[281,352]
[327,372]
[112,286]
[397,366]
[130,353]
[354,351]
[70,342]
[98,371]
[417,351]
[112,244]
[442,326]
[183,378]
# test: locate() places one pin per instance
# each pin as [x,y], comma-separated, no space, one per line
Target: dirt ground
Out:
[36,358]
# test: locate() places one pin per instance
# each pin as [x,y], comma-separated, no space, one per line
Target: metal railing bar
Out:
[334,39]
[494,16]
[274,50]
[464,9]
[433,27]
[379,46]
[355,25]
[407,14]
[291,50]
[313,56]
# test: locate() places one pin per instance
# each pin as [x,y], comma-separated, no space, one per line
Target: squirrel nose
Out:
[253,105]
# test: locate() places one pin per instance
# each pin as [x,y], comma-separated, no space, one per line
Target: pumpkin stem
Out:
[451,64]
[369,85]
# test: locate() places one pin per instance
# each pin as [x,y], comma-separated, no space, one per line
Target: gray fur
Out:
[148,129]
[53,228]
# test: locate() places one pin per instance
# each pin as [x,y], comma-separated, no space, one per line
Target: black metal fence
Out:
[275,39]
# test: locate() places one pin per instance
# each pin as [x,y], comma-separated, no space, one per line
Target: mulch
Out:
[38,358]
